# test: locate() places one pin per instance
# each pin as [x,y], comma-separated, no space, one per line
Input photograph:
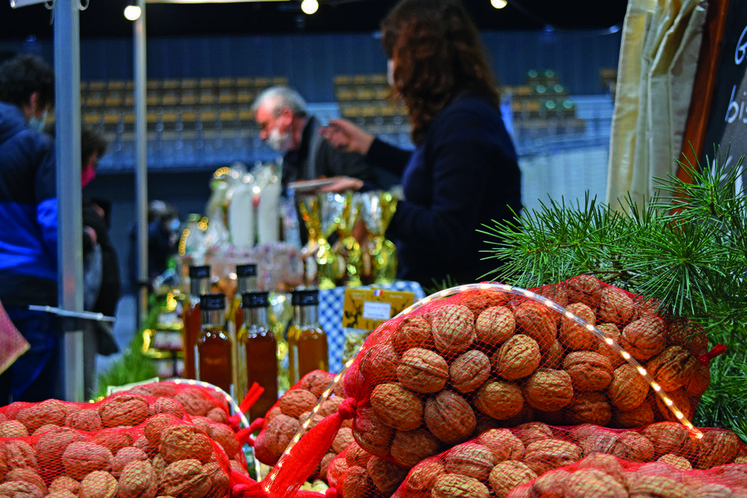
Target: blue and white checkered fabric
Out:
[331,303]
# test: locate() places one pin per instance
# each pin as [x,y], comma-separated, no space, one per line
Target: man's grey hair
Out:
[280,97]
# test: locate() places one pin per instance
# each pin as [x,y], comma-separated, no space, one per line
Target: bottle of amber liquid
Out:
[199,283]
[257,353]
[307,342]
[213,348]
[246,281]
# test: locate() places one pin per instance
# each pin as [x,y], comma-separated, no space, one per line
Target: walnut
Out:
[644,338]
[574,336]
[548,390]
[449,417]
[453,328]
[495,325]
[503,443]
[628,389]
[589,371]
[411,447]
[469,371]
[536,322]
[507,475]
[397,407]
[422,370]
[449,485]
[500,400]
[518,357]
[470,459]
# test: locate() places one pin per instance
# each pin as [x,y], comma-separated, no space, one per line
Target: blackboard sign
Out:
[717,119]
[727,123]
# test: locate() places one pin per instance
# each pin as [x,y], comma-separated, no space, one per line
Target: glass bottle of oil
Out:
[258,360]
[246,281]
[213,348]
[199,283]
[307,341]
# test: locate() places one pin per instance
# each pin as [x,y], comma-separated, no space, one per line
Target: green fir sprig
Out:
[686,246]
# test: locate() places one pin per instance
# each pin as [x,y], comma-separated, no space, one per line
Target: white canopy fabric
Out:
[658,61]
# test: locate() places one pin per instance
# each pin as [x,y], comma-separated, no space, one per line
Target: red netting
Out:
[356,473]
[488,357]
[499,460]
[292,411]
[127,444]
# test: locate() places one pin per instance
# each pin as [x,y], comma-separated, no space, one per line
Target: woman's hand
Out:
[346,136]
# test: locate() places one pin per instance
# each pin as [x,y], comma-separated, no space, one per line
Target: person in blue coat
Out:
[28,239]
[463,175]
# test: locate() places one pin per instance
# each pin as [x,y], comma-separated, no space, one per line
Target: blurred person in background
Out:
[163,241]
[287,127]
[101,264]
[28,239]
[463,174]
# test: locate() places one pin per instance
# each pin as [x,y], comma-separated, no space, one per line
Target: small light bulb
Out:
[498,4]
[132,12]
[309,6]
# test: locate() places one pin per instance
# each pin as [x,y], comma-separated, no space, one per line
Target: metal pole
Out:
[69,218]
[141,163]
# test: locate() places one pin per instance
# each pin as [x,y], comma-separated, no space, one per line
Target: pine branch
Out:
[686,246]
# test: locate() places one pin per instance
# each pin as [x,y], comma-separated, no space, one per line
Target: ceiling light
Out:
[132,12]
[309,6]
[498,4]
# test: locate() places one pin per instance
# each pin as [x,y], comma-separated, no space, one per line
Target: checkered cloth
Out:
[331,303]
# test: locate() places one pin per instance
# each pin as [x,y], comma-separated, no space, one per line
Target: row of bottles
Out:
[234,352]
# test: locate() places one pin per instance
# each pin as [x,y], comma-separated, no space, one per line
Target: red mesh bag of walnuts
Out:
[355,473]
[577,352]
[499,460]
[491,355]
[293,410]
[161,455]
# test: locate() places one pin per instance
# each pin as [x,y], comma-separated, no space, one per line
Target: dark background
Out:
[103,18]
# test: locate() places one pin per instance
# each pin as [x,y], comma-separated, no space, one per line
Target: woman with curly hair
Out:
[463,174]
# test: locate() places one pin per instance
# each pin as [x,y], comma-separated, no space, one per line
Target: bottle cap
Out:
[255,299]
[248,270]
[199,271]
[212,302]
[305,297]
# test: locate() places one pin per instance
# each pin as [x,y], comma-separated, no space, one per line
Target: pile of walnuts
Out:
[285,418]
[534,459]
[485,358]
[129,445]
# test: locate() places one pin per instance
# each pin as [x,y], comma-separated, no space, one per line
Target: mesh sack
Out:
[196,399]
[495,355]
[497,460]
[163,455]
[293,410]
[356,473]
[486,355]
[606,476]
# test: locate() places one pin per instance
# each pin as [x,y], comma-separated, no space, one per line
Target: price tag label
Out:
[377,311]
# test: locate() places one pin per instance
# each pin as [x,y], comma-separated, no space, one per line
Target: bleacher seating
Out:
[541,107]
[196,114]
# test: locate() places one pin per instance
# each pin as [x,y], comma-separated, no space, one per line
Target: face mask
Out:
[87,176]
[38,123]
[174,225]
[390,72]
[281,142]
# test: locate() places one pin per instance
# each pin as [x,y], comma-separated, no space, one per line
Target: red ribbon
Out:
[300,462]
[717,350]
